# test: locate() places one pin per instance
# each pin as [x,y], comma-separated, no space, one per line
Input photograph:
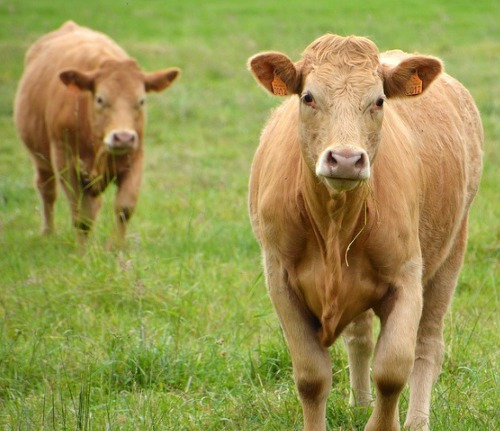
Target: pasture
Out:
[176,331]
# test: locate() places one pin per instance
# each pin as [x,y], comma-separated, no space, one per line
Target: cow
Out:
[359,197]
[80,111]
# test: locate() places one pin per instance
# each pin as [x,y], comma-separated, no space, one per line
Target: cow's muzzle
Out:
[119,142]
[342,168]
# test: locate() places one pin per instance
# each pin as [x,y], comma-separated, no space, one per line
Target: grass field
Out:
[176,332]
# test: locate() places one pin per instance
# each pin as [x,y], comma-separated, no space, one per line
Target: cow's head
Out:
[118,90]
[342,88]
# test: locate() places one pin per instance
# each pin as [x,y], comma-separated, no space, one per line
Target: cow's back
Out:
[69,47]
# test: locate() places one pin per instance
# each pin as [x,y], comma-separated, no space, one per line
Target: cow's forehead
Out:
[112,66]
[125,75]
[344,65]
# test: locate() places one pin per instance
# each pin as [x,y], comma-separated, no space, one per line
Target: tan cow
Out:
[80,110]
[359,197]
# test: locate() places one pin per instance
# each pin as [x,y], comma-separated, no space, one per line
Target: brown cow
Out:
[359,197]
[80,111]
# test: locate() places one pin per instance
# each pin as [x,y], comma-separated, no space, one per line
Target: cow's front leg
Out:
[84,204]
[399,312]
[358,339]
[129,185]
[88,208]
[311,361]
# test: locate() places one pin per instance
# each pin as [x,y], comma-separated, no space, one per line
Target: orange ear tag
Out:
[414,85]
[279,87]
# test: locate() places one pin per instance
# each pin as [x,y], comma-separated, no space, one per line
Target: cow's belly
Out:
[442,214]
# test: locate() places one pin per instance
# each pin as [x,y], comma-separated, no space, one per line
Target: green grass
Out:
[176,331]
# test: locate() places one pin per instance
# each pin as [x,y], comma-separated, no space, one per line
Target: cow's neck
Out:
[334,216]
[336,219]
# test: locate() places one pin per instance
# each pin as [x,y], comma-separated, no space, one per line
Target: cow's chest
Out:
[319,282]
[97,171]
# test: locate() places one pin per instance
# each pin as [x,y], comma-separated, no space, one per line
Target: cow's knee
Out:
[389,382]
[124,214]
[312,390]
[391,374]
[83,226]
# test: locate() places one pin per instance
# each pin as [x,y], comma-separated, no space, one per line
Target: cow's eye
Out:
[379,102]
[141,102]
[308,99]
[99,100]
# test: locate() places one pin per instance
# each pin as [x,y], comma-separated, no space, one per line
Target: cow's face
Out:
[342,91]
[118,90]
[341,112]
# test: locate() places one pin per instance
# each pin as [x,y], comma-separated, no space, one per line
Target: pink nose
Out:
[344,163]
[123,139]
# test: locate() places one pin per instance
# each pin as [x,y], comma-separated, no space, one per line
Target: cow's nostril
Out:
[360,163]
[331,160]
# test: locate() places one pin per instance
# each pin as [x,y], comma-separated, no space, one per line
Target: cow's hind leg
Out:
[399,314]
[430,347]
[38,145]
[358,339]
[46,184]
[311,361]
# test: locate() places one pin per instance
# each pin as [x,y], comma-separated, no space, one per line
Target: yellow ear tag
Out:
[279,87]
[414,85]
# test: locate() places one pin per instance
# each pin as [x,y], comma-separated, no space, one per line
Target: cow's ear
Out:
[276,73]
[77,80]
[160,80]
[411,77]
